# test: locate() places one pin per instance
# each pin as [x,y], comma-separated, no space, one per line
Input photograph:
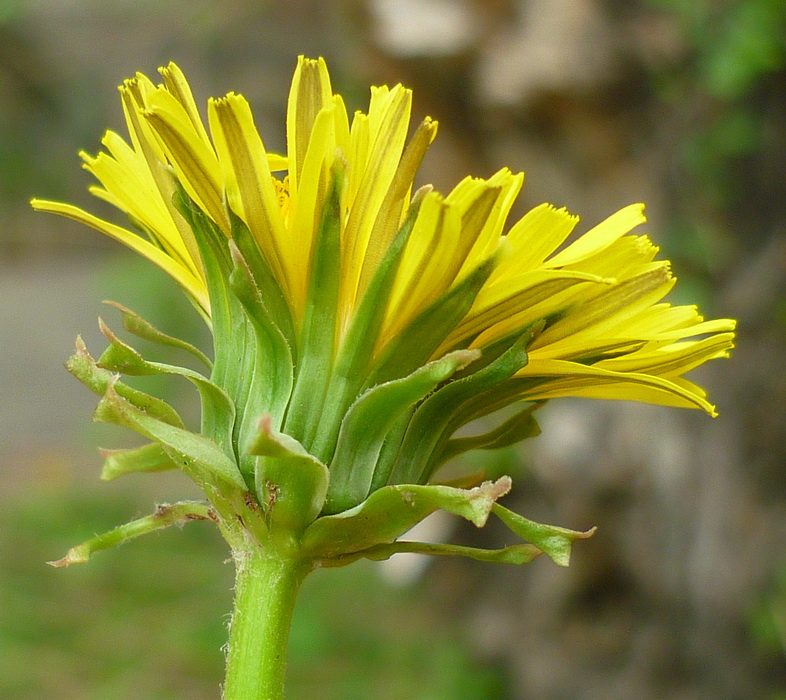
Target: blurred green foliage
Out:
[141,622]
[768,617]
[736,42]
[147,621]
[722,86]
[749,41]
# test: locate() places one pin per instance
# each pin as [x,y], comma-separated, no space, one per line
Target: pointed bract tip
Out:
[266,423]
[80,347]
[72,557]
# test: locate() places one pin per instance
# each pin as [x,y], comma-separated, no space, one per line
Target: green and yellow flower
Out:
[357,324]
[357,327]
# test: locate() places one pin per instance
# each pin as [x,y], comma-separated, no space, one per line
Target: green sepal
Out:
[164,516]
[515,554]
[351,365]
[320,313]
[218,411]
[148,458]
[198,456]
[424,334]
[553,541]
[371,418]
[97,379]
[233,338]
[227,320]
[393,510]
[269,288]
[492,351]
[141,328]
[273,369]
[209,236]
[520,426]
[390,449]
[434,420]
[291,483]
[371,529]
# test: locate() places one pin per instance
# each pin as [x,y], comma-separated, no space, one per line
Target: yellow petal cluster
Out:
[594,303]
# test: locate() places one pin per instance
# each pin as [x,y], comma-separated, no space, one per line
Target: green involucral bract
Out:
[384,446]
[383,425]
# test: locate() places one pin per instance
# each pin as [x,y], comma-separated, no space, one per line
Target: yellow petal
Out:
[147,148]
[611,308]
[390,214]
[309,202]
[194,160]
[600,237]
[133,94]
[475,200]
[178,87]
[674,359]
[428,265]
[516,302]
[246,173]
[573,379]
[507,186]
[536,235]
[132,190]
[277,163]
[309,94]
[388,124]
[195,287]
[632,391]
[359,143]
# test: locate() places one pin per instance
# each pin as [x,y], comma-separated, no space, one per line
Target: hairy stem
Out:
[267,583]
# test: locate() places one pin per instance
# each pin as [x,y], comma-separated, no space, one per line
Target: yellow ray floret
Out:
[192,285]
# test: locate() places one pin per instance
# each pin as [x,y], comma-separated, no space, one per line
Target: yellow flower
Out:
[357,326]
[594,308]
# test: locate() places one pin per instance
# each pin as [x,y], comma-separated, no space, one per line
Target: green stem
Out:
[266,587]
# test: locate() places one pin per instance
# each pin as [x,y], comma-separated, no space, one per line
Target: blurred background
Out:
[682,591]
